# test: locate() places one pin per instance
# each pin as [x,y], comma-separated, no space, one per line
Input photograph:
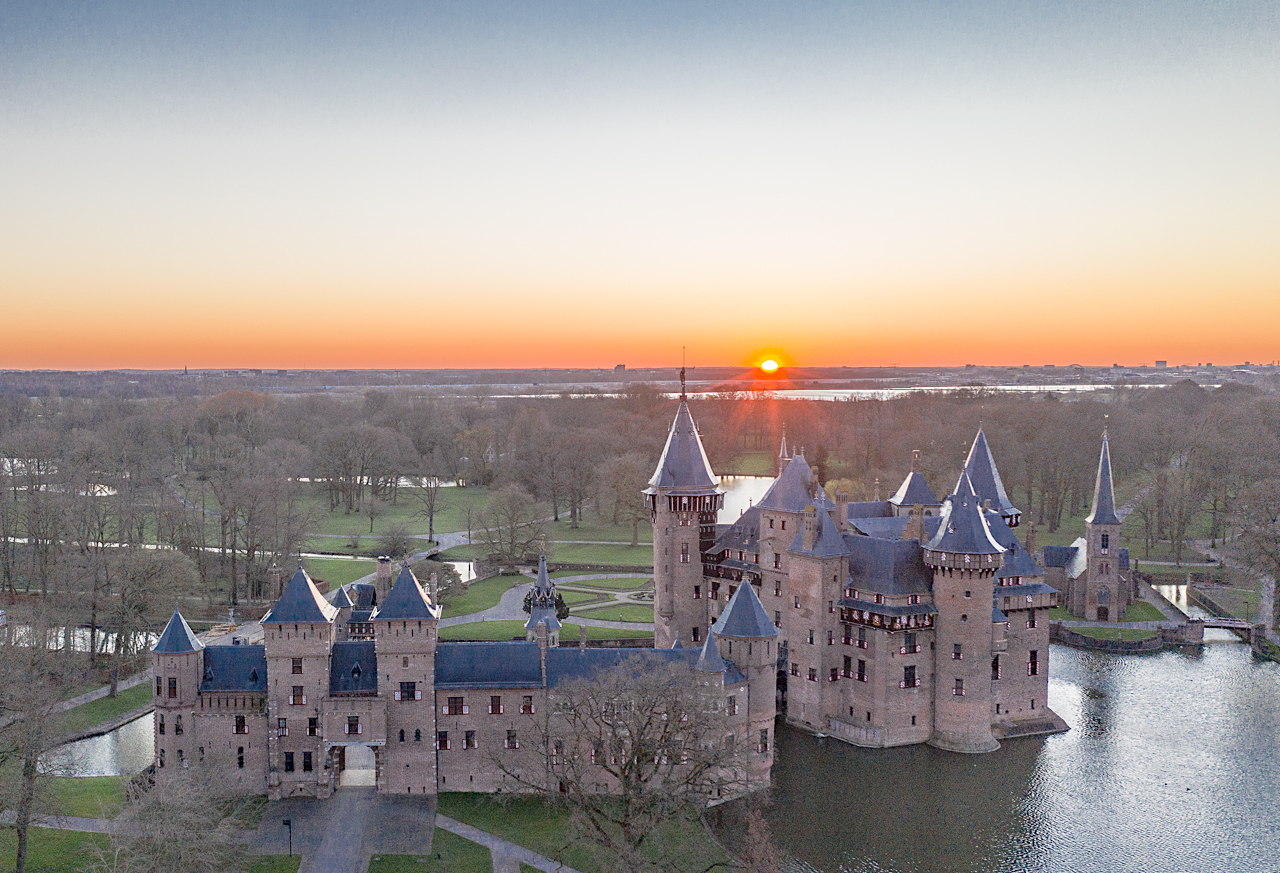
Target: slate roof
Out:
[792,491]
[540,614]
[406,601]
[543,585]
[1018,562]
[870,509]
[884,528]
[566,665]
[363,594]
[300,602]
[234,668]
[684,465]
[997,615]
[1001,531]
[1058,556]
[1104,496]
[1123,559]
[822,500]
[981,467]
[964,486]
[743,534]
[340,598]
[894,568]
[829,543]
[488,665]
[353,668]
[178,638]
[710,661]
[914,490]
[744,616]
[1079,560]
[1024,589]
[963,529]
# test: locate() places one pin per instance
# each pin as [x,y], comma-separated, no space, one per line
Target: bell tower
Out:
[683,497]
[1105,597]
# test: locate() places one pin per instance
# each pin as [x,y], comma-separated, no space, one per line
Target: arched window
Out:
[417,736]
[402,735]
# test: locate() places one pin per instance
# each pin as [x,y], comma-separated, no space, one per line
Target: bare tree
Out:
[1257,517]
[510,527]
[430,502]
[637,752]
[147,576]
[621,479]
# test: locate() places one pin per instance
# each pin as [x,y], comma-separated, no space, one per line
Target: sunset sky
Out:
[583,184]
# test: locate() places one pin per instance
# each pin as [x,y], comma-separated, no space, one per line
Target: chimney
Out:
[915,527]
[810,526]
[986,503]
[877,497]
[1031,539]
[276,579]
[384,579]
[842,510]
[435,587]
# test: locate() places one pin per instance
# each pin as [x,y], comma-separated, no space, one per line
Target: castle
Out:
[908,620]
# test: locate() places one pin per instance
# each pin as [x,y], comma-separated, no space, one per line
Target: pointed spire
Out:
[710,661]
[744,616]
[543,586]
[406,600]
[984,479]
[1104,497]
[178,638]
[684,463]
[301,601]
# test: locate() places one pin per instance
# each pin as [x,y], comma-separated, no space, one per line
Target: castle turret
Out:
[915,491]
[177,665]
[1105,597]
[964,557]
[984,479]
[683,497]
[746,636]
[542,606]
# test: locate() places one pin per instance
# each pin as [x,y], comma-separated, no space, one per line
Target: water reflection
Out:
[1172,764]
[741,493]
[126,750]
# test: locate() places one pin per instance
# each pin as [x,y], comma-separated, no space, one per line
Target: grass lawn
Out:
[625,612]
[463,553]
[86,715]
[575,597]
[87,796]
[482,595]
[544,827]
[1240,603]
[763,463]
[1117,633]
[1142,611]
[450,853]
[48,850]
[628,583]
[276,864]
[597,530]
[1061,613]
[338,571]
[506,630]
[575,553]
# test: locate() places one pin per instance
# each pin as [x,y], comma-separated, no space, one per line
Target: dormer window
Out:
[253,675]
[356,671]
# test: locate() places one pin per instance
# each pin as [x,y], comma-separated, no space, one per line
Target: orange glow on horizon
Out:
[769,366]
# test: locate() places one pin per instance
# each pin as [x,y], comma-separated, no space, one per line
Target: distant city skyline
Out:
[577,185]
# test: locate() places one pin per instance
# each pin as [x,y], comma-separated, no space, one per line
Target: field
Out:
[482,595]
[626,583]
[50,851]
[597,530]
[106,708]
[450,853]
[750,464]
[338,571]
[622,612]
[507,630]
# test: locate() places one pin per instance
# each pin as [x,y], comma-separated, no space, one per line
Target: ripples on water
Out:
[1172,764]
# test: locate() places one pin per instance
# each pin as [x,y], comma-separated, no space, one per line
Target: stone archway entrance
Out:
[357,766]
[1103,614]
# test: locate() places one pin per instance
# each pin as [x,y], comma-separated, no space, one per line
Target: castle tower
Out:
[746,636]
[298,633]
[915,491]
[383,579]
[784,456]
[1105,597]
[177,665]
[405,629]
[683,498]
[964,557]
[984,479]
[542,606]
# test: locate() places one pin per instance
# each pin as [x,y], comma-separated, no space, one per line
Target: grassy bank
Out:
[104,709]
[1142,611]
[338,571]
[49,850]
[1115,633]
[482,595]
[623,612]
[626,583]
[450,853]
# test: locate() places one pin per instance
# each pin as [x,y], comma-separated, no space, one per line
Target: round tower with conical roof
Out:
[684,497]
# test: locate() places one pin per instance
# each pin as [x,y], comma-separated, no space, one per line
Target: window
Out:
[526,705]
[404,662]
[958,690]
[777,619]
[715,590]
[784,524]
[909,679]
[777,562]
[862,637]
[831,606]
[161,760]
[995,667]
[795,669]
[777,587]
[861,675]
[813,674]
[835,674]
[306,762]
[442,741]
[239,757]
[469,741]
[915,600]
[811,636]
[173,687]
[909,644]
[297,666]
[797,601]
[282,727]
[697,592]
[417,735]
[160,724]
[763,746]
[956,654]
[831,638]
[159,687]
[697,635]
[1033,663]
[288,762]
[684,553]
[968,594]
[297,698]
[409,691]
[402,735]
[733,704]
[353,725]
[313,727]
[495,705]
[879,598]
[241,727]
[1031,622]
[513,741]
[202,754]
[1106,542]
[177,726]
[456,706]
[771,524]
